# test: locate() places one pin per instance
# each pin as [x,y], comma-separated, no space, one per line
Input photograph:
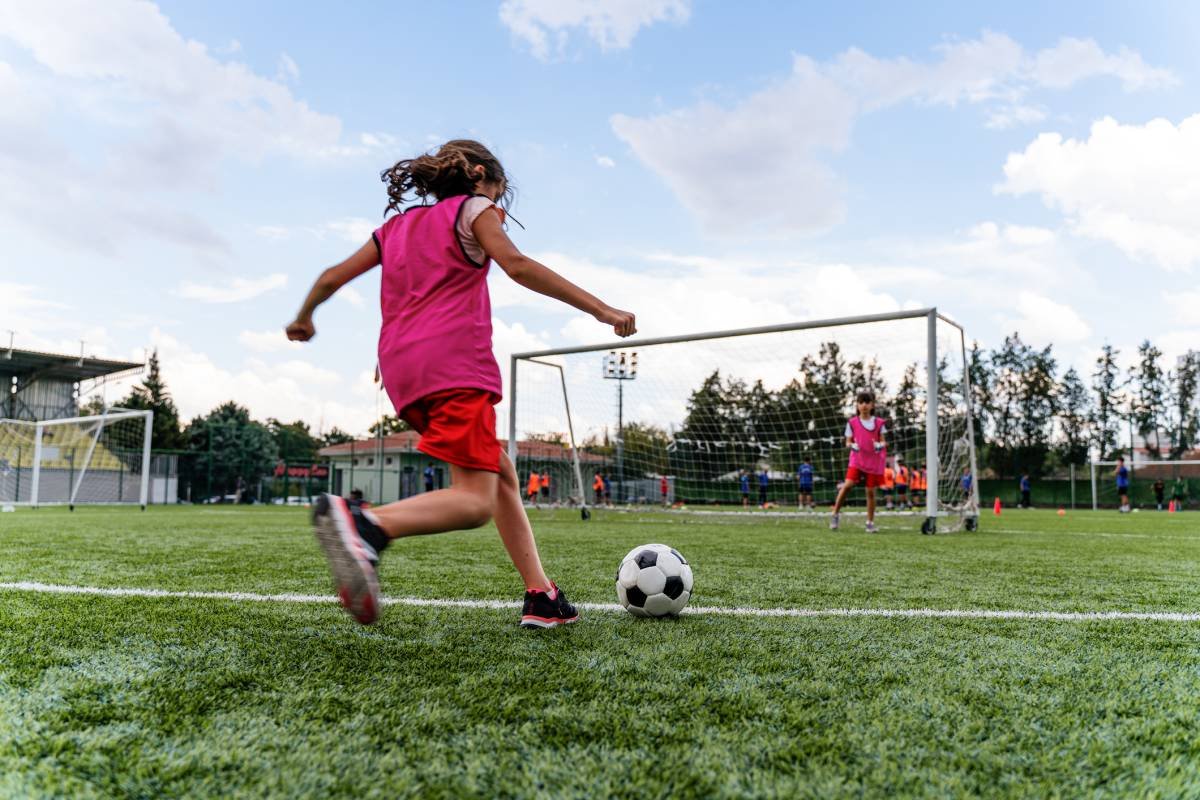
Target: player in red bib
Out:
[868,456]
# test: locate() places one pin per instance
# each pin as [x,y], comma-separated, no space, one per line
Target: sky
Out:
[174,175]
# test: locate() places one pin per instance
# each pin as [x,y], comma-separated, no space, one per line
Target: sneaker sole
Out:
[357,586]
[546,622]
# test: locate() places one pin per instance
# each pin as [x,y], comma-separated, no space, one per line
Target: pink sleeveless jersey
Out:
[437,315]
[867,459]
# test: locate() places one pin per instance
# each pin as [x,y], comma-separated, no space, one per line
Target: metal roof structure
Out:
[42,385]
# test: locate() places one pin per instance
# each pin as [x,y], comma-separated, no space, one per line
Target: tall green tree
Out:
[1148,394]
[1106,411]
[981,376]
[1074,419]
[390,424]
[906,410]
[701,445]
[1037,405]
[152,395]
[335,435]
[1185,414]
[227,450]
[294,440]
[645,450]
[94,406]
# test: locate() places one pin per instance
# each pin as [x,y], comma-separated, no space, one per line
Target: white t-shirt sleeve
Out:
[849,431]
[472,208]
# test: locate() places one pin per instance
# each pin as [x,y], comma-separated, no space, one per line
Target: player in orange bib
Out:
[531,489]
[888,486]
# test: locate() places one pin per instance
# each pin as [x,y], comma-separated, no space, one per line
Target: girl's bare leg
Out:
[469,503]
[870,504]
[846,487]
[515,531]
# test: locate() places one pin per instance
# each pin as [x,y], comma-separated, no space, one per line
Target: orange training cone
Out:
[996,507]
[1062,512]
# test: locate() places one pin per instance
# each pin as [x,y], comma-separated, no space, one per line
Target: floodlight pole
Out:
[620,366]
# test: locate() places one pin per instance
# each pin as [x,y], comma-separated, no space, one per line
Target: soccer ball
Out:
[654,581]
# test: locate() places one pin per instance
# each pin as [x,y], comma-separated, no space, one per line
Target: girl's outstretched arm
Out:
[301,329]
[543,280]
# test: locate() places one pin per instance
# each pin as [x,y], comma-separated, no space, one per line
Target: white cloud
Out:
[1040,319]
[355,230]
[235,290]
[544,25]
[1073,60]
[1135,186]
[766,154]
[288,70]
[716,294]
[147,111]
[606,162]
[351,296]
[770,151]
[267,341]
[1011,116]
[1184,305]
[288,390]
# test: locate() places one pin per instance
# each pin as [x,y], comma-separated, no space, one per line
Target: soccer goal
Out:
[98,459]
[723,421]
[1180,484]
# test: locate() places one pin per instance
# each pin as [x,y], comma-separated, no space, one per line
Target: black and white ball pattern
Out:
[654,581]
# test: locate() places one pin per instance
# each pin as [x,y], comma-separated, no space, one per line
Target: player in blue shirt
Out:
[764,480]
[745,482]
[804,474]
[1122,473]
[1025,489]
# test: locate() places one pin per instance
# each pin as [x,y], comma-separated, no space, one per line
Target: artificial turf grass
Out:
[162,697]
[1024,560]
[171,698]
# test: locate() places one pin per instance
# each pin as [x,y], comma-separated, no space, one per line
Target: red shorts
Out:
[457,426]
[856,475]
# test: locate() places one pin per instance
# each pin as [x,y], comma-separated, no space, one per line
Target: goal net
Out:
[97,459]
[724,421]
[1177,482]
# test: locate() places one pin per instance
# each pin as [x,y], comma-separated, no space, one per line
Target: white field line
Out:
[730,611]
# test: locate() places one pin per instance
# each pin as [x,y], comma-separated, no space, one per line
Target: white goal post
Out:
[1181,482]
[101,459]
[718,419]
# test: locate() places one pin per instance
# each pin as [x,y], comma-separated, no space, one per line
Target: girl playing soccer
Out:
[436,363]
[868,454]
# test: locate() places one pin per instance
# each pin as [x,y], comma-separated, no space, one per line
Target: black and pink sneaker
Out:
[547,609]
[352,559]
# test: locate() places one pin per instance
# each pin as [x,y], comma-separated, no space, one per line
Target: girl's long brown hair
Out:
[449,172]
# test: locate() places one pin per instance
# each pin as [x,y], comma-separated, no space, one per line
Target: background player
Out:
[868,453]
[804,476]
[1122,475]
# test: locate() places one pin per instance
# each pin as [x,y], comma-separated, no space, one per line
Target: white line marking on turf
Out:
[731,611]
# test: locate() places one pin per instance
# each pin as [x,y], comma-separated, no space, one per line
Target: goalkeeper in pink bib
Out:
[868,457]
[436,363]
